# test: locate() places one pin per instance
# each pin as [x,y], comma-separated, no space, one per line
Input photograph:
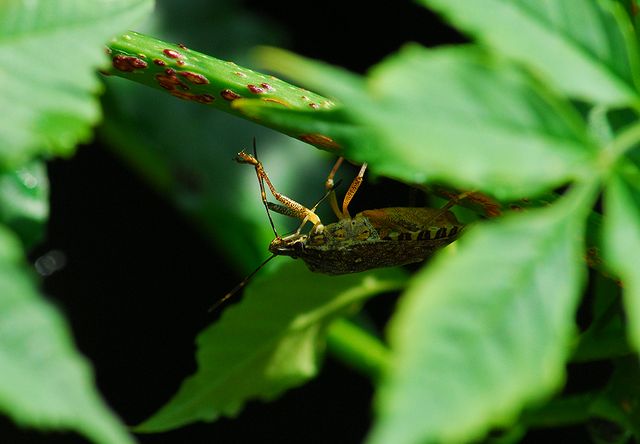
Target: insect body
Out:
[374,238]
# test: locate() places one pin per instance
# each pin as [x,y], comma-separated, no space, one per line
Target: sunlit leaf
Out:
[48,83]
[587,48]
[485,329]
[268,343]
[455,115]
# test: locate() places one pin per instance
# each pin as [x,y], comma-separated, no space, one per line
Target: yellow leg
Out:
[352,191]
[329,185]
[297,210]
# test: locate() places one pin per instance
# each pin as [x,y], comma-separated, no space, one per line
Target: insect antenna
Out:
[242,283]
[326,194]
[313,209]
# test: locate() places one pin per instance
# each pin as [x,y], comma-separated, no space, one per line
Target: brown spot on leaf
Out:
[200,98]
[172,54]
[256,89]
[170,82]
[128,63]
[195,78]
[229,95]
[320,140]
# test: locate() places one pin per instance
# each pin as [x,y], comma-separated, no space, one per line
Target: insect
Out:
[371,239]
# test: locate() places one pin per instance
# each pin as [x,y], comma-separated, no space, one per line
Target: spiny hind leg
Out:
[329,186]
[353,188]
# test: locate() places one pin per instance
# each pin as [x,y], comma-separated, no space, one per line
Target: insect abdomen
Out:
[357,257]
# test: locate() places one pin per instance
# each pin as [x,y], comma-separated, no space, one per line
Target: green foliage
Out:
[51,51]
[54,48]
[586,48]
[498,117]
[45,382]
[482,336]
[617,401]
[269,343]
[193,80]
[24,204]
[536,135]
[464,361]
[622,241]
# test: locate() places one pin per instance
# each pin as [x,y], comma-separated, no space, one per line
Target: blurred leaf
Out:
[456,115]
[269,342]
[45,382]
[485,330]
[321,127]
[24,201]
[621,233]
[587,48]
[48,84]
[620,399]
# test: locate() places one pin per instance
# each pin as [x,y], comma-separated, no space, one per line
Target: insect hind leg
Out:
[353,188]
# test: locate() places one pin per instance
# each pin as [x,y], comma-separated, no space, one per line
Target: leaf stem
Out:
[569,410]
[604,345]
[191,75]
[358,348]
[625,141]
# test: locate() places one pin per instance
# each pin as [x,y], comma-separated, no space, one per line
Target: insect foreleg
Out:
[297,210]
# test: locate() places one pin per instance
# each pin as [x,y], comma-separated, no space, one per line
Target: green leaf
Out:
[326,128]
[24,204]
[268,343]
[45,382]
[587,48]
[621,238]
[620,399]
[462,117]
[486,328]
[52,49]
[456,115]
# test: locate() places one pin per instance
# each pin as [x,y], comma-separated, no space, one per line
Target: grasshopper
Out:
[376,238]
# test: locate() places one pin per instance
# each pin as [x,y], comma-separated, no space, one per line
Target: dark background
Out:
[129,252]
